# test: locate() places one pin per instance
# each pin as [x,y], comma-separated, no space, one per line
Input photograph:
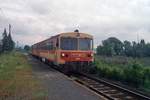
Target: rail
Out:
[108,90]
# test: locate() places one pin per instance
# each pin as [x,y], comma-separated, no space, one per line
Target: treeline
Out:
[6,44]
[114,47]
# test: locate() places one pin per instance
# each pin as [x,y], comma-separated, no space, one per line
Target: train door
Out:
[56,51]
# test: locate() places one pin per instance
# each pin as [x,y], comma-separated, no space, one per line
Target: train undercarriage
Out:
[75,67]
[68,67]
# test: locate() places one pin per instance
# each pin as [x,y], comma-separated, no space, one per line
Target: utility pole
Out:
[9,28]
[138,38]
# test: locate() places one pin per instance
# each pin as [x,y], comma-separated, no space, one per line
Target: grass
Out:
[16,79]
[134,72]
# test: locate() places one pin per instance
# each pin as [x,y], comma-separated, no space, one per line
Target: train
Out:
[69,52]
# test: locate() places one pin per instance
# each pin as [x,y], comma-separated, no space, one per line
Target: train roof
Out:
[69,34]
[75,34]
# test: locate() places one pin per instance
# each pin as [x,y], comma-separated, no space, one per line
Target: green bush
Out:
[92,69]
[116,74]
[146,77]
[133,73]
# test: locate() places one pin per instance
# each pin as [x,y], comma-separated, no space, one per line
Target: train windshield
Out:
[85,44]
[76,43]
[69,43]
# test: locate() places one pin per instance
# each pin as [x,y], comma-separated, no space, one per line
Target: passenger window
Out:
[57,43]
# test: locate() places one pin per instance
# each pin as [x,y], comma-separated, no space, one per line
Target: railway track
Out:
[107,89]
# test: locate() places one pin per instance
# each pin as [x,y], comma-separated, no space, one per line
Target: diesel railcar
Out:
[72,51]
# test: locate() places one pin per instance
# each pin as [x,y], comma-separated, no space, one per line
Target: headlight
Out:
[63,55]
[90,55]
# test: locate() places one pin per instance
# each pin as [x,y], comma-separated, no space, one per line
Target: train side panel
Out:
[49,53]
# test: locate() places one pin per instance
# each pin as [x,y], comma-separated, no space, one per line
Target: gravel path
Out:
[58,85]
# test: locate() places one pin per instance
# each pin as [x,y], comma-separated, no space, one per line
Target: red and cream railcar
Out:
[71,51]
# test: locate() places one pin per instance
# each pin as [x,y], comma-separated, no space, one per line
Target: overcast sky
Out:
[35,20]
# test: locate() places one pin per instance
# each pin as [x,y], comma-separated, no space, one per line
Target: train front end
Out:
[76,51]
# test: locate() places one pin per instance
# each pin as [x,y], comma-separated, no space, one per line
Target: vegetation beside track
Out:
[16,79]
[129,71]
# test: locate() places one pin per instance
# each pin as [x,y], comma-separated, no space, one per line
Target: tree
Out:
[142,48]
[26,48]
[111,46]
[139,49]
[99,50]
[1,47]
[114,47]
[5,42]
[128,50]
[147,50]
[11,42]
[115,44]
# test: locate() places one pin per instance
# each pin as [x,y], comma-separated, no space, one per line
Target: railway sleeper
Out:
[124,96]
[118,95]
[121,98]
[99,86]
[110,91]
[129,98]
[103,88]
[95,84]
[84,78]
[89,81]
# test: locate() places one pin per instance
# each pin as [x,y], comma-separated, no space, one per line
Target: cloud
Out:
[35,20]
